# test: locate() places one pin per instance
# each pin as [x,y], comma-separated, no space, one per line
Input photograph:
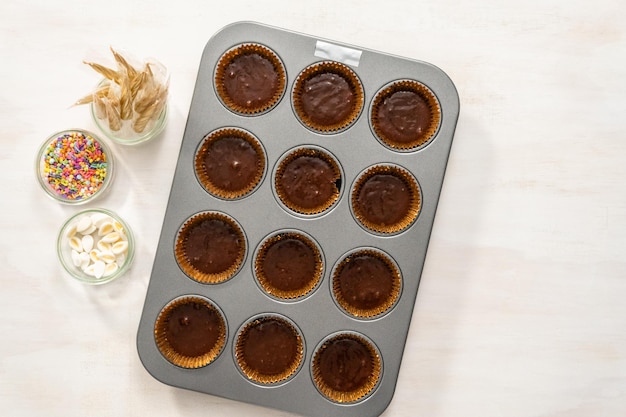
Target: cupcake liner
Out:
[187,264]
[269,349]
[332,357]
[165,345]
[209,179]
[266,282]
[329,113]
[253,102]
[305,182]
[382,202]
[359,308]
[405,131]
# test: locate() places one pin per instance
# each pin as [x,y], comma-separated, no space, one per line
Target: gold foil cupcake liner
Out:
[431,101]
[314,153]
[246,49]
[176,358]
[185,263]
[340,70]
[202,172]
[415,200]
[358,394]
[365,313]
[264,281]
[253,374]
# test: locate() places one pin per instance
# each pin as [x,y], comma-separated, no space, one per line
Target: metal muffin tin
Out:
[336,231]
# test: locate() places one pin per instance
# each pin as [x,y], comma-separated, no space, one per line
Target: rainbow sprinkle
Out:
[74,165]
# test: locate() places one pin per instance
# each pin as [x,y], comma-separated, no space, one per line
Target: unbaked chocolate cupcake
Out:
[386,199]
[405,115]
[308,180]
[288,265]
[328,97]
[346,367]
[230,163]
[250,79]
[366,283]
[190,331]
[269,349]
[210,247]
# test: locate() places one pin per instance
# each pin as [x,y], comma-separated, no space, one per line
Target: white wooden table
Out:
[521,309]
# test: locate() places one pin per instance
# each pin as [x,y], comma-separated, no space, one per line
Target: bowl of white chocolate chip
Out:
[95,246]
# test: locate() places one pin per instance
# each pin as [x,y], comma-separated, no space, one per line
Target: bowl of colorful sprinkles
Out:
[95,246]
[74,166]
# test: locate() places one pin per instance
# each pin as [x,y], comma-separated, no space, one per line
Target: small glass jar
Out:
[95,246]
[74,166]
[136,127]
[126,135]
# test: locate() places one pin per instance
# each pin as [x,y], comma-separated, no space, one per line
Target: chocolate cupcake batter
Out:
[289,264]
[231,163]
[251,81]
[270,347]
[212,246]
[344,364]
[383,199]
[327,99]
[308,182]
[365,282]
[193,329]
[404,117]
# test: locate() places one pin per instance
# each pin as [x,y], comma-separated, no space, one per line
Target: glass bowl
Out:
[95,246]
[149,117]
[74,166]
[126,135]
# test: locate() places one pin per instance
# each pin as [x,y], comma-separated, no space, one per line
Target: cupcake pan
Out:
[336,230]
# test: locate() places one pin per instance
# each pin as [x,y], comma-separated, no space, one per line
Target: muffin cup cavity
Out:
[250,79]
[269,349]
[210,247]
[346,367]
[308,180]
[288,265]
[386,199]
[230,163]
[366,283]
[190,331]
[327,97]
[405,115]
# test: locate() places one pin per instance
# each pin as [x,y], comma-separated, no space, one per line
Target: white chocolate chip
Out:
[89,230]
[84,259]
[71,231]
[98,218]
[83,224]
[98,269]
[76,244]
[110,268]
[75,258]
[94,255]
[89,270]
[107,257]
[119,247]
[103,246]
[118,226]
[87,242]
[105,228]
[111,237]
